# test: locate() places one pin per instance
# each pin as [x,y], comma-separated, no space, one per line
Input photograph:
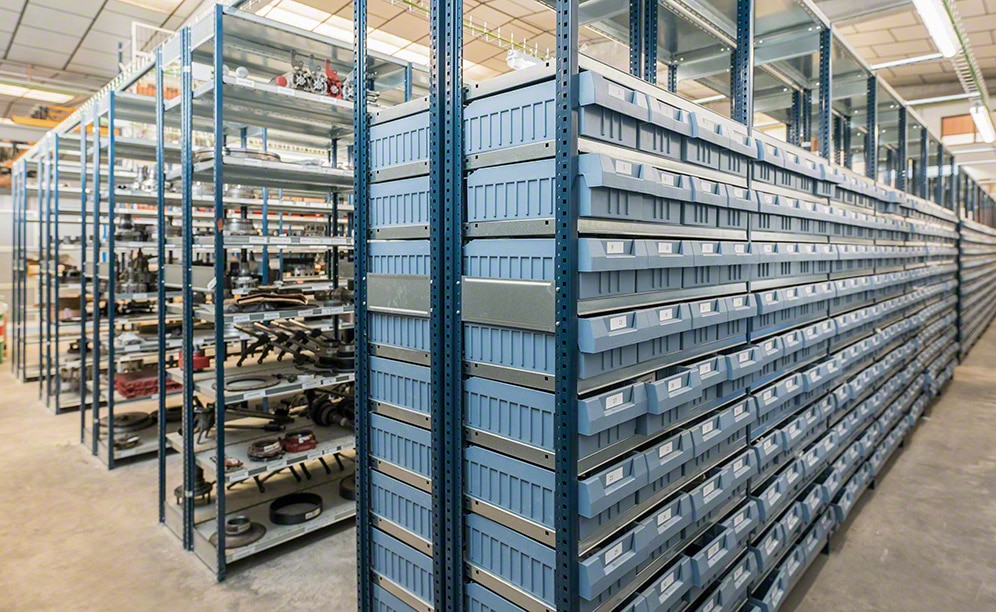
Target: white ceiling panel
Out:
[20,52]
[8,19]
[53,42]
[84,8]
[47,18]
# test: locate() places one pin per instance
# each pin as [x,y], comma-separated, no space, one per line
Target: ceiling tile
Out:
[45,39]
[485,14]
[8,19]
[46,18]
[33,55]
[85,8]
[867,39]
[971,8]
[905,49]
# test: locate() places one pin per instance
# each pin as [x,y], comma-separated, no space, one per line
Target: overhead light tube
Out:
[935,16]
[983,121]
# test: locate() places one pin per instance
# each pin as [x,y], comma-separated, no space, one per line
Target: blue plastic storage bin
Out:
[667,464]
[666,530]
[480,599]
[402,565]
[403,203]
[401,504]
[770,547]
[520,561]
[745,521]
[401,445]
[399,142]
[721,433]
[717,549]
[400,384]
[385,601]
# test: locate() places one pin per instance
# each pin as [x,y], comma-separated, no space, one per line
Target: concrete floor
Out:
[74,536]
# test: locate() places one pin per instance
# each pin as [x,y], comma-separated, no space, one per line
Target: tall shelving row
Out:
[624,353]
[289,152]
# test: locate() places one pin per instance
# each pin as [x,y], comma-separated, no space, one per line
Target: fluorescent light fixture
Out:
[517,60]
[709,99]
[983,121]
[12,90]
[938,99]
[935,16]
[48,96]
[907,61]
[968,151]
[293,19]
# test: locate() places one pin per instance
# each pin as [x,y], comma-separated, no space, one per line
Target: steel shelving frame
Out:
[214,107]
[446,132]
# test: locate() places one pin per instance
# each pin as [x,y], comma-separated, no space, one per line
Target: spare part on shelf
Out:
[347,487]
[240,192]
[202,189]
[204,155]
[126,441]
[299,441]
[128,231]
[200,489]
[129,421]
[295,508]
[172,231]
[174,414]
[144,179]
[74,347]
[240,531]
[327,410]
[142,383]
[335,297]
[268,298]
[265,449]
[200,360]
[203,419]
[345,358]
[135,276]
[127,339]
[312,77]
[244,277]
[242,384]
[232,464]
[134,308]
[237,226]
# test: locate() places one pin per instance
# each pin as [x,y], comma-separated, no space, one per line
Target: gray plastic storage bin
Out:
[669,592]
[667,464]
[770,453]
[402,565]
[770,547]
[712,495]
[735,585]
[385,601]
[721,433]
[666,530]
[716,550]
[745,521]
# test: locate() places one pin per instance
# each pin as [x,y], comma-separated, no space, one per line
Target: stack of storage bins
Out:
[663,408]
[401,342]
[758,331]
[977,286]
[888,343]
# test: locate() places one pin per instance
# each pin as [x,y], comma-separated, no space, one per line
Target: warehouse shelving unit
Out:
[658,354]
[226,105]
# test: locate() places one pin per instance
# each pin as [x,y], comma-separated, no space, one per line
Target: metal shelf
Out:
[274,174]
[204,382]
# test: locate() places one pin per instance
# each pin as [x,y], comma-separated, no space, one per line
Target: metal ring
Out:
[234,525]
[295,508]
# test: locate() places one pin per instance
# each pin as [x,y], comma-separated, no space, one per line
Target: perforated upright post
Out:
[161,273]
[650,9]
[742,75]
[361,194]
[635,38]
[795,118]
[902,151]
[826,90]
[871,136]
[187,259]
[939,181]
[924,162]
[807,120]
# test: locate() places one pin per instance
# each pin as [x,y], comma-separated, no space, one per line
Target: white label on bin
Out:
[708,248]
[793,293]
[708,186]
[790,384]
[769,345]
[708,427]
[767,395]
[613,553]
[772,544]
[664,517]
[705,308]
[769,445]
[674,385]
[791,476]
[738,249]
[769,248]
[738,574]
[739,411]
[615,91]
[665,248]
[613,400]
[615,247]
[709,607]
[793,520]
[738,465]
[613,477]
[739,193]
[665,315]
[744,357]
[665,450]
[769,297]
[773,495]
[738,302]
[666,584]
[713,550]
[617,323]
[668,179]
[705,368]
